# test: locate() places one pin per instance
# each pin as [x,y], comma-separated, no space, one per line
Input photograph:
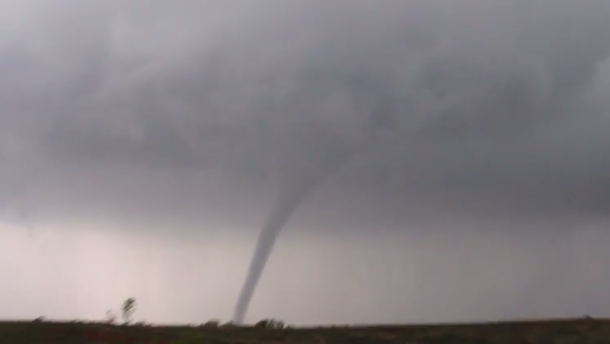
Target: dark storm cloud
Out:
[137,107]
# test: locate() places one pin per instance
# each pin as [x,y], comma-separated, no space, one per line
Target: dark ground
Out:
[578,331]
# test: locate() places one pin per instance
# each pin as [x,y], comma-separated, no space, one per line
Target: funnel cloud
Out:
[297,179]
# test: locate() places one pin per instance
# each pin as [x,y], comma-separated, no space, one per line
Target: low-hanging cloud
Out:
[114,86]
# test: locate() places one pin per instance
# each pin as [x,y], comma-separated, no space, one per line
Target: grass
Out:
[576,331]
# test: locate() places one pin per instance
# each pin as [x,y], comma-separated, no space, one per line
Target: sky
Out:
[144,143]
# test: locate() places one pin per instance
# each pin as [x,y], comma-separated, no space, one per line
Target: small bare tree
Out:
[110,317]
[129,307]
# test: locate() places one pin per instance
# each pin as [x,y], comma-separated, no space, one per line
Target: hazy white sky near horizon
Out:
[141,142]
[415,276]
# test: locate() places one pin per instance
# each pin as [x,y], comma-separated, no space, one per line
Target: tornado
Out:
[297,180]
[294,188]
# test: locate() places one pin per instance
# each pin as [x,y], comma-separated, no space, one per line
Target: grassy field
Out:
[579,331]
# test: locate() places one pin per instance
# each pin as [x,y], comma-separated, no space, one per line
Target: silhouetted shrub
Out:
[211,323]
[110,317]
[270,324]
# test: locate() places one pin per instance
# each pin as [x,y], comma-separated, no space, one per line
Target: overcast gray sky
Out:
[142,142]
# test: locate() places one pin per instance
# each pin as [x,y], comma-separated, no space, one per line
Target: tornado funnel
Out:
[297,180]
